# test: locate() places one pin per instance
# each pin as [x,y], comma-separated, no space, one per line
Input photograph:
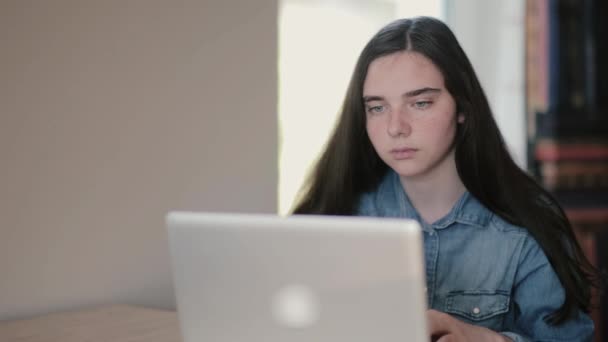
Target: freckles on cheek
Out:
[429,123]
[437,122]
[372,127]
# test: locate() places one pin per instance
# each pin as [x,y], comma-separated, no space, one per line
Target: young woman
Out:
[416,139]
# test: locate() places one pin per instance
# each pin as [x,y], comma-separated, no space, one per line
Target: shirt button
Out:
[476,311]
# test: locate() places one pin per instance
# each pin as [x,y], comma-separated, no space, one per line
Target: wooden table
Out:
[117,323]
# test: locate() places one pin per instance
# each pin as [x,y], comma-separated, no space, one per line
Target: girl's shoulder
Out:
[500,224]
[382,201]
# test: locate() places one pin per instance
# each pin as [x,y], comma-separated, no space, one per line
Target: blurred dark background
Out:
[567,118]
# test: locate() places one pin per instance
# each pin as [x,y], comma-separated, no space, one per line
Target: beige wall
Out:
[112,113]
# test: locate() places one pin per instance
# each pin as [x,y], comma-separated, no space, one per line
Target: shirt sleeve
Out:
[538,293]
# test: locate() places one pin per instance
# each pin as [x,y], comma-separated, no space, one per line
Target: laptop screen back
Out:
[245,277]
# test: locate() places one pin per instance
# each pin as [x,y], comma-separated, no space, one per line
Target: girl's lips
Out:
[403,153]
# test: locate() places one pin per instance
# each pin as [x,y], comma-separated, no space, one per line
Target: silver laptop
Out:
[263,278]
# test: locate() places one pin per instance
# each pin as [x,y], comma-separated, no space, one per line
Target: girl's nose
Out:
[398,125]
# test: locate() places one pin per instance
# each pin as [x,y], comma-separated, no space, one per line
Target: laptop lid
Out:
[248,277]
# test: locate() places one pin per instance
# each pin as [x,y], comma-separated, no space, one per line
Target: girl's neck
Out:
[435,193]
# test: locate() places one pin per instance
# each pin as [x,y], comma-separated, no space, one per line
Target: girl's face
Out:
[411,117]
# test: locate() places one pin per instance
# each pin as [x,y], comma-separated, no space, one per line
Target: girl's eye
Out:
[375,109]
[422,104]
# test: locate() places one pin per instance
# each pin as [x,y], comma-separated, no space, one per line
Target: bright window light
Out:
[319,42]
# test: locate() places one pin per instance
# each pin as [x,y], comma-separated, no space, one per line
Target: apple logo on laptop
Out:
[296,306]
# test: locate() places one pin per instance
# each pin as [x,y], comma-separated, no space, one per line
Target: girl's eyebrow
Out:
[420,91]
[372,98]
[410,93]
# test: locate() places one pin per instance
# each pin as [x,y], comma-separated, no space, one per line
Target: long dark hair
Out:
[350,166]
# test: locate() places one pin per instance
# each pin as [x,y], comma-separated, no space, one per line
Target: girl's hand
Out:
[445,328]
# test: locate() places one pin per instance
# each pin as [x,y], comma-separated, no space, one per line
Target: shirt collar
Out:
[467,210]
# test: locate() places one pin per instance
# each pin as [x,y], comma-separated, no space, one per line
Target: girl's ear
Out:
[460,117]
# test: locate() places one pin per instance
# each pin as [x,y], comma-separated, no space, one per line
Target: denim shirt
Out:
[483,270]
